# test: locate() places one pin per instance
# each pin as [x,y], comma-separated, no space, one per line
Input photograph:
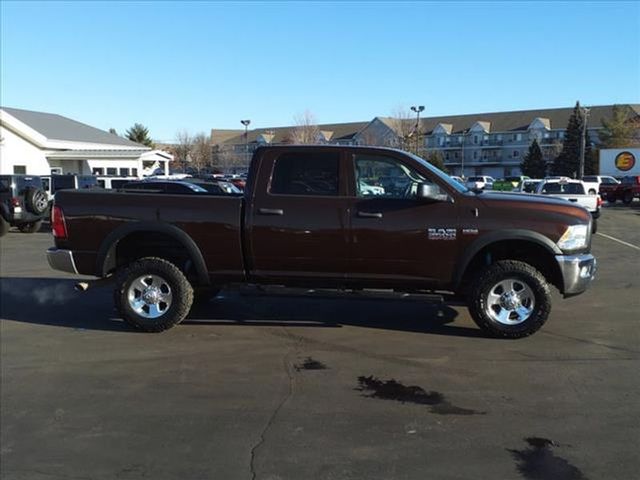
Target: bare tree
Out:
[404,125]
[225,157]
[183,147]
[306,130]
[200,151]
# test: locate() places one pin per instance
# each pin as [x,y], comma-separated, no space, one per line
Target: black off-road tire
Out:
[35,200]
[181,290]
[31,227]
[4,226]
[627,198]
[522,272]
[203,295]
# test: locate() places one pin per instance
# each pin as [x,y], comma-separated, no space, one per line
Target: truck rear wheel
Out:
[627,198]
[4,226]
[510,299]
[152,294]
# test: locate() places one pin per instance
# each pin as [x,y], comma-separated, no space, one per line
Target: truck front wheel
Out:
[152,294]
[510,299]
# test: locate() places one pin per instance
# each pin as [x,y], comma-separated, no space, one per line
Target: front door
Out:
[298,223]
[397,238]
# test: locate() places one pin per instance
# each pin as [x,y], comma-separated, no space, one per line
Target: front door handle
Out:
[271,211]
[370,215]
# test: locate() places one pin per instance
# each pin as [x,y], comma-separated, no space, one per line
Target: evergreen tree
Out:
[139,134]
[435,158]
[533,164]
[568,162]
[620,131]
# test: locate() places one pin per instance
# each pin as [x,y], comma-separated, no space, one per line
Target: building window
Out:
[475,139]
[507,171]
[455,155]
[516,153]
[460,138]
[112,171]
[446,156]
[518,137]
[20,169]
[560,134]
[441,141]
[134,172]
[475,155]
[499,138]
[124,172]
[98,171]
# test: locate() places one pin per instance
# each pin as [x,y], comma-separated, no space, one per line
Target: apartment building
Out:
[491,143]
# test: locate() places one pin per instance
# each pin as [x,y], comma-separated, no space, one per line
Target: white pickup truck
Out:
[574,191]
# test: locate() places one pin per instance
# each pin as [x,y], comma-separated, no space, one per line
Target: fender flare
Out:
[106,257]
[499,236]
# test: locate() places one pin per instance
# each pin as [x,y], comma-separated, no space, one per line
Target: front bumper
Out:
[61,260]
[577,272]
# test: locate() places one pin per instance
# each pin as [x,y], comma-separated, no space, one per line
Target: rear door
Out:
[397,238]
[296,225]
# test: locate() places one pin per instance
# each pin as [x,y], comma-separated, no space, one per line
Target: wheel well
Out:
[535,255]
[154,244]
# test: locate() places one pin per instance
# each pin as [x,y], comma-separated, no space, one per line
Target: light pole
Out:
[583,142]
[417,109]
[246,138]
[462,153]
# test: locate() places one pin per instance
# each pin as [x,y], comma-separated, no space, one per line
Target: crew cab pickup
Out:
[306,219]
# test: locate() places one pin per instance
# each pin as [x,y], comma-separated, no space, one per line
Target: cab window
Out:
[306,173]
[382,176]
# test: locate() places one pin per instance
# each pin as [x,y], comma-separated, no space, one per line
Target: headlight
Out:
[574,238]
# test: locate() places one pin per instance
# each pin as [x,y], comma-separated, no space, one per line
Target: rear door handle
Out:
[370,215]
[573,199]
[271,211]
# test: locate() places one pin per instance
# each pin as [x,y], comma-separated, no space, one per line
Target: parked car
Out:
[508,184]
[458,179]
[606,184]
[23,203]
[528,186]
[482,182]
[573,191]
[164,249]
[114,182]
[163,186]
[627,190]
[217,186]
[53,183]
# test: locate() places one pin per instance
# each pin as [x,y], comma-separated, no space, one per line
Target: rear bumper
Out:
[577,272]
[61,260]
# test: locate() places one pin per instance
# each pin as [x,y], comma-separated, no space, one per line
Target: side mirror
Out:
[429,191]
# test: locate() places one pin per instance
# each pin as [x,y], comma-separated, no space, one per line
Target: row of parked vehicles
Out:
[25,200]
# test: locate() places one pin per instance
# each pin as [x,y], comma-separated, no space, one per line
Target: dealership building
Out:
[38,143]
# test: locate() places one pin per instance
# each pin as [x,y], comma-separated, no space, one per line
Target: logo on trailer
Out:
[625,161]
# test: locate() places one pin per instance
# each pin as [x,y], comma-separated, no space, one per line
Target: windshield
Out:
[440,174]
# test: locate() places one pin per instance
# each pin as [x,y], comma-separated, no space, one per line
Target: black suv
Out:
[23,203]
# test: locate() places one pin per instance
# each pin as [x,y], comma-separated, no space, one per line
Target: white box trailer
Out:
[619,162]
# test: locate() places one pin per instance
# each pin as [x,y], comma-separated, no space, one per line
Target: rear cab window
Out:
[306,173]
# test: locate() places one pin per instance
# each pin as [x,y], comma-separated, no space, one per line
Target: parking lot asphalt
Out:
[317,387]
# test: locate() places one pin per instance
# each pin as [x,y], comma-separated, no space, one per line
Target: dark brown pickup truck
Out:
[331,217]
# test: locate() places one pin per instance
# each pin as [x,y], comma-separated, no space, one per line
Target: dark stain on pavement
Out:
[538,462]
[394,390]
[311,364]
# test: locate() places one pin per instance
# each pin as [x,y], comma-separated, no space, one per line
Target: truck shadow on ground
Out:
[54,302]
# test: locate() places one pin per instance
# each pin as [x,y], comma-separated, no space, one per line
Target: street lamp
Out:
[417,110]
[246,138]
[462,134]
[583,142]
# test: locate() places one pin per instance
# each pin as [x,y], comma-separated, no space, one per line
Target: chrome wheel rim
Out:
[150,296]
[510,302]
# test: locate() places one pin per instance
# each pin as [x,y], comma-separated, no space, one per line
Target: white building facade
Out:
[38,143]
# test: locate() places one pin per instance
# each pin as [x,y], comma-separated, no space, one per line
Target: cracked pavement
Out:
[267,387]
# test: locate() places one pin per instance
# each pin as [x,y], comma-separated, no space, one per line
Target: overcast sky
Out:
[204,65]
